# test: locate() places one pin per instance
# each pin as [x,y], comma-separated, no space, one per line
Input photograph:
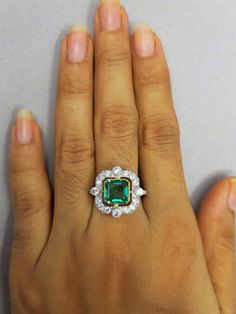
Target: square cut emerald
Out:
[116,191]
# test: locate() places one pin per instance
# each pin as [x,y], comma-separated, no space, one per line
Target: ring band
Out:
[117,192]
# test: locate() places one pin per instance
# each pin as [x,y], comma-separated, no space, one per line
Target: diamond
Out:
[101,176]
[135,202]
[116,191]
[107,210]
[98,201]
[140,192]
[125,210]
[117,171]
[100,206]
[107,173]
[136,182]
[95,191]
[132,208]
[98,183]
[116,213]
[132,175]
[126,173]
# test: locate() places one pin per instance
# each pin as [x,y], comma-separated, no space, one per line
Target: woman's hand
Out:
[69,258]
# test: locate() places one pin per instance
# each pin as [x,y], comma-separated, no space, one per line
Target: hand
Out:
[69,258]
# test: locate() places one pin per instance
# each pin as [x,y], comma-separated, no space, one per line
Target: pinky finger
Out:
[216,221]
[30,191]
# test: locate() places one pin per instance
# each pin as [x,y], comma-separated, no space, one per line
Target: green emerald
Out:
[116,191]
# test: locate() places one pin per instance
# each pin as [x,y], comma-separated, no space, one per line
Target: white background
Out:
[199,37]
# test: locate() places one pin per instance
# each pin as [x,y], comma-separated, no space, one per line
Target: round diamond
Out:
[98,201]
[117,171]
[100,207]
[136,182]
[132,176]
[125,210]
[116,213]
[107,210]
[95,191]
[135,202]
[126,173]
[131,208]
[98,183]
[101,176]
[107,173]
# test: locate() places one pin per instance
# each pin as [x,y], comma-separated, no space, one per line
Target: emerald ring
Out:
[117,192]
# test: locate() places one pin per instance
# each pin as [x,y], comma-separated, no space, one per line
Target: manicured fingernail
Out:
[77,44]
[110,14]
[232,195]
[24,131]
[143,41]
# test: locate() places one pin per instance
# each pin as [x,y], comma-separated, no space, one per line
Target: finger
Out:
[159,148]
[115,110]
[30,191]
[74,144]
[217,226]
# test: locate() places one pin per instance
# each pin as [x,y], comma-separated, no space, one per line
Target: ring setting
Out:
[117,192]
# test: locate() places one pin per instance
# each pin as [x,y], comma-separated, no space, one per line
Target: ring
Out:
[117,192]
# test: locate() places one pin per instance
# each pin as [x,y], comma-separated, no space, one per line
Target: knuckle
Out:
[160,131]
[73,85]
[119,124]
[23,174]
[153,77]
[74,150]
[27,166]
[21,239]
[114,54]
[30,201]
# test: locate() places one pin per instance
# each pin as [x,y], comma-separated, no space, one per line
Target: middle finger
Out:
[116,118]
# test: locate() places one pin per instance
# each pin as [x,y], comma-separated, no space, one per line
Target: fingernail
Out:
[110,14]
[143,41]
[24,130]
[232,195]
[77,44]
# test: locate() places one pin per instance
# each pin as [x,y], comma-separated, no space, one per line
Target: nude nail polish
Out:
[77,44]
[232,195]
[110,15]
[144,44]
[24,130]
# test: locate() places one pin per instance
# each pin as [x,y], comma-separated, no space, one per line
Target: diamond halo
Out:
[117,192]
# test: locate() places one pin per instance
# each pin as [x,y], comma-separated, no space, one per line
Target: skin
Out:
[69,258]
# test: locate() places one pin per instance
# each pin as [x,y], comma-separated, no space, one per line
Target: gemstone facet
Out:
[116,191]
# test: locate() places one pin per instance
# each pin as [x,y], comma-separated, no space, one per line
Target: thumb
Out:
[216,220]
